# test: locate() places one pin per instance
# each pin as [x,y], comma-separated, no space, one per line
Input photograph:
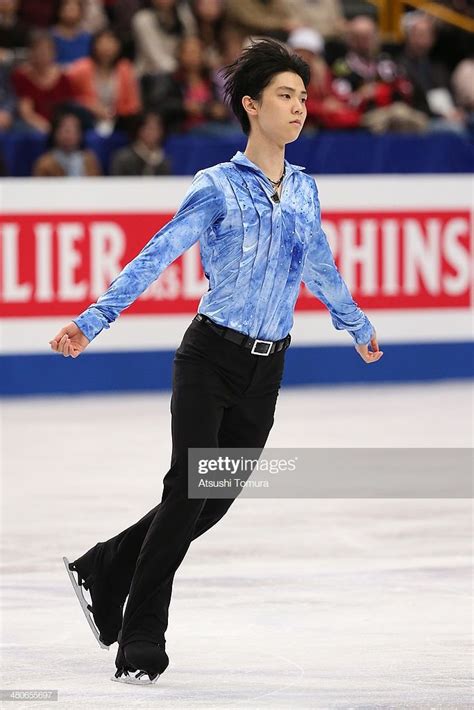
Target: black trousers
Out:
[223,396]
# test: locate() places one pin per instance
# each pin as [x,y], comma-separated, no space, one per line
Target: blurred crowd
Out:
[151,68]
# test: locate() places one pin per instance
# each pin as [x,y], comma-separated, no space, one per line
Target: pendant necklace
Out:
[276,184]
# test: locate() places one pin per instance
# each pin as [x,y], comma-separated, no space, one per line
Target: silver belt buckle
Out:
[269,343]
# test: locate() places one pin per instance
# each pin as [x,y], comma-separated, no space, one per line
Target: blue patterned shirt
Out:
[255,252]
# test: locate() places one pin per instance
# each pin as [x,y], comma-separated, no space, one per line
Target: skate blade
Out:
[135,680]
[83,602]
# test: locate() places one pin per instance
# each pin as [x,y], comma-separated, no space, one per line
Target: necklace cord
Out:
[277,183]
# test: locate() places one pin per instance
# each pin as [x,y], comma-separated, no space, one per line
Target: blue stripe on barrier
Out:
[141,371]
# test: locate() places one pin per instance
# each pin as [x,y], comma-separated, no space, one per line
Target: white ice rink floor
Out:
[285,603]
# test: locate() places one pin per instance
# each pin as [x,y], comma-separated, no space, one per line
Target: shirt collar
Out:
[241,159]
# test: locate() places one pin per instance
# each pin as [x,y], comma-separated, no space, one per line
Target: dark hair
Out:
[95,39]
[59,7]
[177,27]
[136,122]
[254,70]
[205,71]
[38,36]
[217,25]
[58,120]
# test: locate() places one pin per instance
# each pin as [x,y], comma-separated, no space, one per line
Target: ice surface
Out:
[284,603]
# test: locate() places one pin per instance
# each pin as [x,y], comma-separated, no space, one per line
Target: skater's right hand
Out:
[69,341]
[370,355]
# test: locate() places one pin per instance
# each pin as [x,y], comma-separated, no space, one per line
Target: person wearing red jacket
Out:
[369,75]
[104,82]
[374,84]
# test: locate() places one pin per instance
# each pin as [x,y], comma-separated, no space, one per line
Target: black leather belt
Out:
[256,346]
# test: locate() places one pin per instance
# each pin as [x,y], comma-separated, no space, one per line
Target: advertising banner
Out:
[404,246]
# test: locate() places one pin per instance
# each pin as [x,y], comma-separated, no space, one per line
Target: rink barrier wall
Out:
[152,371]
[404,244]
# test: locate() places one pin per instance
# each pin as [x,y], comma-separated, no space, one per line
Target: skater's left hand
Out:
[370,355]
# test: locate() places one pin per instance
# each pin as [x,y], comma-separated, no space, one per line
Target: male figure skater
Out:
[257,218]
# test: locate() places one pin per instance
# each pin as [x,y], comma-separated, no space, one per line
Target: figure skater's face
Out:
[281,112]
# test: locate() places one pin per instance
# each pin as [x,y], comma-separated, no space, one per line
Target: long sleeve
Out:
[128,99]
[323,279]
[203,206]
[80,73]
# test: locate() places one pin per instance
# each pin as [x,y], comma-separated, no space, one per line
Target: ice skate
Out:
[85,606]
[148,660]
[103,614]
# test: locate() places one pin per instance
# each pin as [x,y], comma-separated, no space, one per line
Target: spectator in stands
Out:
[40,84]
[94,17]
[104,82]
[325,107]
[430,79]
[210,21]
[323,16]
[157,32]
[190,101]
[120,15]
[271,18]
[43,13]
[66,157]
[13,33]
[373,84]
[71,41]
[145,155]
[369,75]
